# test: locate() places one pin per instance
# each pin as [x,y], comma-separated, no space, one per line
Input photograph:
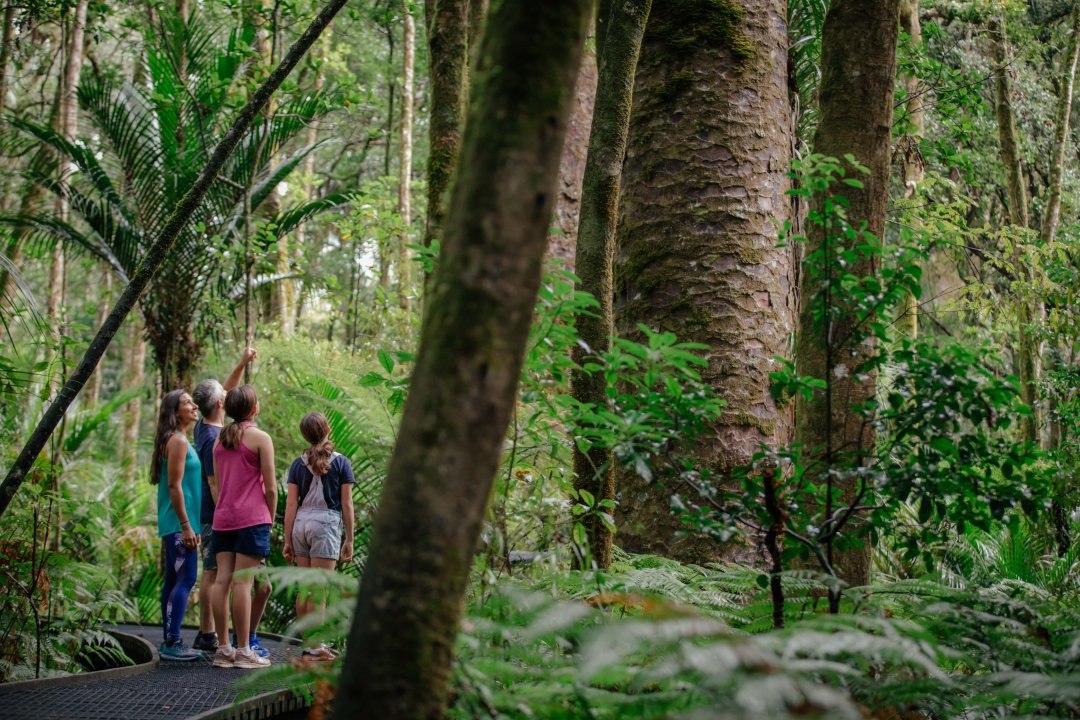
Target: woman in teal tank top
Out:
[176,470]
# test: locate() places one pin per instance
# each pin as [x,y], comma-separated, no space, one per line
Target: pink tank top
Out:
[241,492]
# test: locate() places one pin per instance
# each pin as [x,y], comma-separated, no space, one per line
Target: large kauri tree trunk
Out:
[856,110]
[471,350]
[595,248]
[704,180]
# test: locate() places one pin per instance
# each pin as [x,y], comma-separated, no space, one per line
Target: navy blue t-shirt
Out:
[205,437]
[340,473]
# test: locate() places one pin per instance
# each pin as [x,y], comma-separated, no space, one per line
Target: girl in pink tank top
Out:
[241,491]
[246,504]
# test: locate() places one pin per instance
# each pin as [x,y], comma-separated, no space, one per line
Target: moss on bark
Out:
[624,28]
[705,174]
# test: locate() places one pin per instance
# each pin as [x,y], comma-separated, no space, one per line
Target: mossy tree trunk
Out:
[405,150]
[448,53]
[471,350]
[595,249]
[705,176]
[856,110]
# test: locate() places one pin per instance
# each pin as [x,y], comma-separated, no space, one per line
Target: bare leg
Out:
[303,607]
[241,599]
[322,564]
[206,613]
[220,593]
[263,588]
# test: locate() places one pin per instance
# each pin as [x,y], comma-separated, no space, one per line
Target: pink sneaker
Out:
[248,659]
[224,658]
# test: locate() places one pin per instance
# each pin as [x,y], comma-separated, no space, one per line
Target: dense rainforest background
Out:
[696,358]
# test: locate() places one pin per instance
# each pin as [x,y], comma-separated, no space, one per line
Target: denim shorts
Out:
[209,559]
[317,534]
[253,541]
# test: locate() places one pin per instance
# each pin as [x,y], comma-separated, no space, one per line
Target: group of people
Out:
[227,473]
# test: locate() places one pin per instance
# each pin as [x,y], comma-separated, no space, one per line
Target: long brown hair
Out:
[239,404]
[316,430]
[168,424]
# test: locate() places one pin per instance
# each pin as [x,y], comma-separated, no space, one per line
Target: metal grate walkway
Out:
[173,690]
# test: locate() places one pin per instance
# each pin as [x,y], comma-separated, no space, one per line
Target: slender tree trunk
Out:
[564,222]
[1052,213]
[134,378]
[704,179]
[448,53]
[7,40]
[1051,217]
[1027,353]
[309,184]
[69,128]
[855,117]
[478,12]
[907,324]
[408,51]
[471,350]
[157,253]
[595,251]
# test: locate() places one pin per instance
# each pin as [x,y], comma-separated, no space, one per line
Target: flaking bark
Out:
[705,176]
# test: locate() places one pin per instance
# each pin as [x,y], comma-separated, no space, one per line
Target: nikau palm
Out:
[151,143]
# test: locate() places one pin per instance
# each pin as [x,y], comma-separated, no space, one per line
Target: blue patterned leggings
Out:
[181,569]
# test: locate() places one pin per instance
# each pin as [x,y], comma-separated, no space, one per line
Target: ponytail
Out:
[239,405]
[316,430]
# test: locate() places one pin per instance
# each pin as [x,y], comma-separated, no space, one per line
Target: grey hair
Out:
[207,395]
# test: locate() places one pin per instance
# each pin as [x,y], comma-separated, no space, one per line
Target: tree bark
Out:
[157,253]
[471,351]
[595,250]
[565,218]
[478,12]
[408,51]
[7,40]
[907,325]
[68,126]
[705,177]
[1051,218]
[1052,213]
[448,52]
[856,100]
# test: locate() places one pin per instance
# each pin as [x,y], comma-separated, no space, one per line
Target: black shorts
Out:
[253,541]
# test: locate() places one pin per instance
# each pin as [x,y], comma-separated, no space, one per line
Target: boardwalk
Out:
[173,690]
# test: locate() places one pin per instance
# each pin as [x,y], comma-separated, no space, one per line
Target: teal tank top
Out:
[191,484]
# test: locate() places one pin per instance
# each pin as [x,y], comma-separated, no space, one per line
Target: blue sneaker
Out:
[253,643]
[178,651]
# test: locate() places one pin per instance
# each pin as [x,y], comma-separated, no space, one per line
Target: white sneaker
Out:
[247,659]
[224,658]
